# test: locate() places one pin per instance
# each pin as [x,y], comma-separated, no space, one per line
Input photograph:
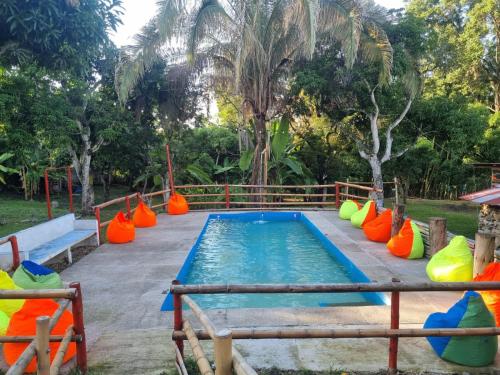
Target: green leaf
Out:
[157,181]
[224,169]
[5,156]
[246,160]
[294,165]
[280,139]
[199,174]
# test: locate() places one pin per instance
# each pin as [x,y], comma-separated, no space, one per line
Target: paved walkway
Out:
[127,333]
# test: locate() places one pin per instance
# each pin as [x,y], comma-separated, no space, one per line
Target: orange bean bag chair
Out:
[120,229]
[379,229]
[408,242]
[23,323]
[143,216]
[491,297]
[177,205]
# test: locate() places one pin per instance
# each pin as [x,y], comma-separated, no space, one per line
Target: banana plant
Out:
[4,170]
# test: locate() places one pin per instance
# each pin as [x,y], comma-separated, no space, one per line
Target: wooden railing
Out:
[129,210]
[15,250]
[39,344]
[230,196]
[183,331]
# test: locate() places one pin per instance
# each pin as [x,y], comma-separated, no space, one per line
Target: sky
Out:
[138,12]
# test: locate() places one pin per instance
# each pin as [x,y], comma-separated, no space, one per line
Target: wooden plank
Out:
[331,288]
[37,293]
[334,333]
[241,367]
[202,317]
[61,351]
[198,353]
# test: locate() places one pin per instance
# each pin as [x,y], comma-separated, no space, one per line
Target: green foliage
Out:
[56,33]
[199,174]
[4,170]
[246,160]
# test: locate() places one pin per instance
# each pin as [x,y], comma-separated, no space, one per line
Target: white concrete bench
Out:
[45,241]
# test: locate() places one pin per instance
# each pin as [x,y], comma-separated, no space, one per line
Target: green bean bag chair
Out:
[348,208]
[469,312]
[365,215]
[4,323]
[30,275]
[453,263]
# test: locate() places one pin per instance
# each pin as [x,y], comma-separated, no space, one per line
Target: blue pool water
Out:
[269,248]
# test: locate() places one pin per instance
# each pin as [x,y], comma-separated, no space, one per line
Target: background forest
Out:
[59,105]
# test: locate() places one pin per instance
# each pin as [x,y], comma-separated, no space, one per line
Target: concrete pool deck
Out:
[127,333]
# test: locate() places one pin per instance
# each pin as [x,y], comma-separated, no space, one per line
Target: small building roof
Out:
[488,196]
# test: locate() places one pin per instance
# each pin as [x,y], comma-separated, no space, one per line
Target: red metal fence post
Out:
[81,345]
[227,196]
[393,341]
[15,252]
[47,194]
[70,187]
[178,317]
[127,204]
[337,195]
[97,212]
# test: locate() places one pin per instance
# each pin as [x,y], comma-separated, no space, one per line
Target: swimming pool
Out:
[269,248]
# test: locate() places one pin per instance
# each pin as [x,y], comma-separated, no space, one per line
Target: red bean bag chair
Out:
[177,205]
[23,323]
[143,216]
[491,297]
[120,229]
[379,229]
[408,242]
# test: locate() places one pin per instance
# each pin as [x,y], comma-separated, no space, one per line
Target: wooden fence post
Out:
[226,189]
[223,351]
[484,252]
[47,194]
[79,328]
[127,205]
[97,212]
[15,252]
[397,218]
[393,341]
[437,234]
[337,195]
[42,345]
[178,317]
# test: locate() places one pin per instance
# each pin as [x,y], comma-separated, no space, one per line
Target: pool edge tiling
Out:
[352,271]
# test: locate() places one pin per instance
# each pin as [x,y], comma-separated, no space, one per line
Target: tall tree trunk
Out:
[378,181]
[258,172]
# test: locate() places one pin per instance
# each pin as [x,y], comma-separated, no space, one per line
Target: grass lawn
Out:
[17,214]
[461,216]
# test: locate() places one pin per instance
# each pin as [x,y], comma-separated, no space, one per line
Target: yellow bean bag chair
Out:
[143,216]
[9,306]
[453,263]
[408,242]
[348,208]
[4,323]
[365,215]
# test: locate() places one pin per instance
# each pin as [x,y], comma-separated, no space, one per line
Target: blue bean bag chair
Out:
[30,275]
[474,351]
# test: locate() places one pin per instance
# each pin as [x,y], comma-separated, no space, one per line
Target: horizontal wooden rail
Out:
[280,195]
[259,186]
[154,193]
[354,186]
[53,338]
[287,203]
[38,293]
[334,333]
[334,288]
[113,201]
[346,195]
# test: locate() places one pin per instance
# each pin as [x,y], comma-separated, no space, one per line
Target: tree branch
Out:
[388,135]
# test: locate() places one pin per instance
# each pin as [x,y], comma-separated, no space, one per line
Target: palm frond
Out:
[376,48]
[137,58]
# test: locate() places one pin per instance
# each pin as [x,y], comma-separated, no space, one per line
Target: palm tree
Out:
[247,47]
